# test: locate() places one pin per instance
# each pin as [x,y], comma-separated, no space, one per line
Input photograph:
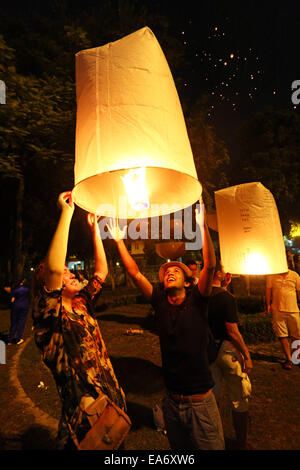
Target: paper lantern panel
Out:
[250,234]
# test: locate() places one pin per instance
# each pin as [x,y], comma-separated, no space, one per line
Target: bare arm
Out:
[238,341]
[209,259]
[130,265]
[56,257]
[101,268]
[268,299]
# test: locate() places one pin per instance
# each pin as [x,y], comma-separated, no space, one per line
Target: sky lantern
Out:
[250,234]
[171,249]
[133,157]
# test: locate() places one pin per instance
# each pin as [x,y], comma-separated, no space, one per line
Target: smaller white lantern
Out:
[250,233]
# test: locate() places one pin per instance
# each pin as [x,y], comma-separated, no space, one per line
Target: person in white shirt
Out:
[282,292]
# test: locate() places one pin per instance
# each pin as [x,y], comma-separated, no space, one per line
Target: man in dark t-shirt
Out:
[190,411]
[233,362]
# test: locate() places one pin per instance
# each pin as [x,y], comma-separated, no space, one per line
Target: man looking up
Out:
[190,411]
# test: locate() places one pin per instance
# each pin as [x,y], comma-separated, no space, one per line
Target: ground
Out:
[30,407]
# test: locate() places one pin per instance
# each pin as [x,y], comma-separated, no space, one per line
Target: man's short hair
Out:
[190,261]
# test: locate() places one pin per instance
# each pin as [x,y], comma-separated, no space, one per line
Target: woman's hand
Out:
[114,229]
[65,202]
[92,221]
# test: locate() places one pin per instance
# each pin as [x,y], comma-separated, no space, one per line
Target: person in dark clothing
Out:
[190,410]
[233,362]
[19,312]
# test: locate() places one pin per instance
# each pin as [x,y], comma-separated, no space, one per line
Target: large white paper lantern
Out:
[130,131]
[250,234]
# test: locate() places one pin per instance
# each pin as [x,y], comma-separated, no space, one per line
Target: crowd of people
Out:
[191,309]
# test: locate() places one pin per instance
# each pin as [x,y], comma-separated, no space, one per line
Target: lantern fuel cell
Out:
[136,189]
[250,233]
[129,123]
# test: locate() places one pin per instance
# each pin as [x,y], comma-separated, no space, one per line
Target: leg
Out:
[175,432]
[22,317]
[285,344]
[281,330]
[13,326]
[203,425]
[239,389]
[217,378]
[240,424]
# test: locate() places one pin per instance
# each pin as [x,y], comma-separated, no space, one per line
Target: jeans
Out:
[193,426]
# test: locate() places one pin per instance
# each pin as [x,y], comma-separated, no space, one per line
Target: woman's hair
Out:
[38,278]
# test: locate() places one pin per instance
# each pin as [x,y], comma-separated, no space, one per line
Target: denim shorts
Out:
[193,426]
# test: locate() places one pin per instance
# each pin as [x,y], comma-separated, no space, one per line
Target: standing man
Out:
[233,362]
[281,297]
[190,410]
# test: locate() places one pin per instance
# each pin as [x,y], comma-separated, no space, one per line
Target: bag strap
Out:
[73,434]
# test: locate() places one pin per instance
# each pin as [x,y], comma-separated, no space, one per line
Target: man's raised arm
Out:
[130,265]
[208,252]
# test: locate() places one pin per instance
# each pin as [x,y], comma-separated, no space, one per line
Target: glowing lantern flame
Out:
[256,263]
[136,189]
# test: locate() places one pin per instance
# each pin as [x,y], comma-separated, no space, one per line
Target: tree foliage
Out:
[210,153]
[37,123]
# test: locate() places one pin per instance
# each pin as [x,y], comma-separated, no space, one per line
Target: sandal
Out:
[287,365]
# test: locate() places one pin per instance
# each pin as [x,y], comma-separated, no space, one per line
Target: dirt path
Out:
[274,406]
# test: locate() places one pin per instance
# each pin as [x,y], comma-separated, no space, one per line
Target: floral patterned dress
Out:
[73,348]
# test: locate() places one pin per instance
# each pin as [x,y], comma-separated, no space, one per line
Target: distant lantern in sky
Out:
[133,157]
[250,234]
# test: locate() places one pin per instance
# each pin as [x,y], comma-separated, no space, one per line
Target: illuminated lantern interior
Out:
[130,121]
[250,234]
[136,189]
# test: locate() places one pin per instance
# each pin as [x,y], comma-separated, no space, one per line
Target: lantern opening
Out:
[136,188]
[256,263]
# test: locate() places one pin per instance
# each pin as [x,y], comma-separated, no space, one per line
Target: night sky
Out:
[245,58]
[242,55]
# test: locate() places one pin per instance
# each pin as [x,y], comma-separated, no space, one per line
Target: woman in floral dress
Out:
[67,333]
